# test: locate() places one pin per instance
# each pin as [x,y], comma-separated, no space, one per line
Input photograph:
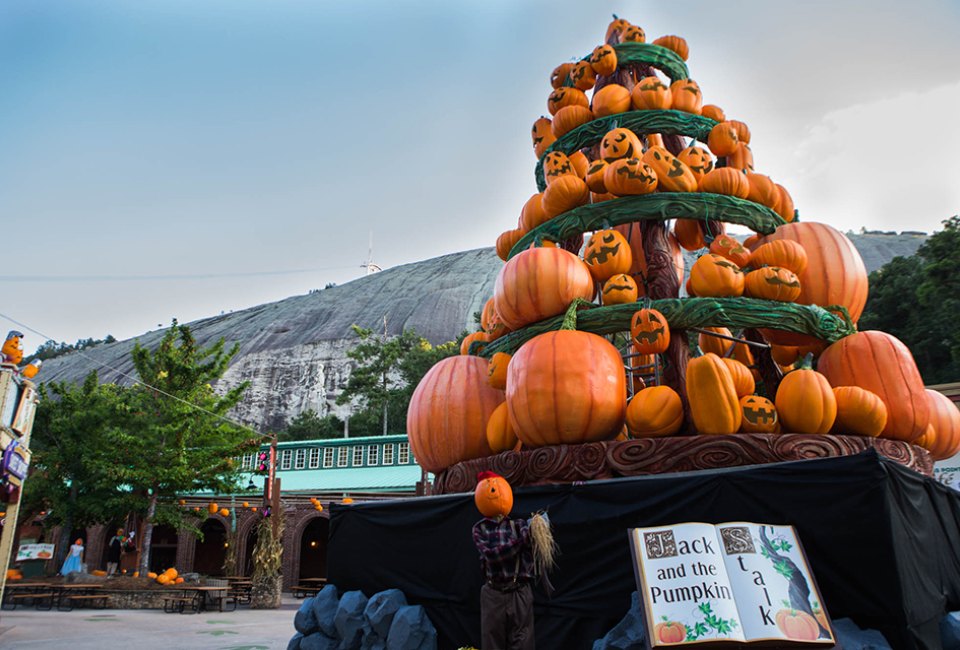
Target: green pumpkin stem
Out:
[570,318]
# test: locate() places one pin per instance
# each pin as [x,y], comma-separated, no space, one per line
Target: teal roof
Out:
[346,479]
[336,442]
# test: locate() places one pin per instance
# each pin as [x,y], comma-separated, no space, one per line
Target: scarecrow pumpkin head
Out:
[607,254]
[542,135]
[759,414]
[629,176]
[672,175]
[556,164]
[728,247]
[559,74]
[583,75]
[594,176]
[565,96]
[651,94]
[772,283]
[603,60]
[493,495]
[698,160]
[12,351]
[619,290]
[650,331]
[686,96]
[620,143]
[633,34]
[715,276]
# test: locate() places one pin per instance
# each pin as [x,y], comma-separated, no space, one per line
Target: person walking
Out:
[114,549]
[74,561]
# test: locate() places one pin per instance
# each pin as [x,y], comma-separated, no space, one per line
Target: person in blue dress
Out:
[74,561]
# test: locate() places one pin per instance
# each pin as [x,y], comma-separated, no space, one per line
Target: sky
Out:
[183,159]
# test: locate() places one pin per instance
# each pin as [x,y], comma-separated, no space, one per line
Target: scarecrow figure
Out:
[512,553]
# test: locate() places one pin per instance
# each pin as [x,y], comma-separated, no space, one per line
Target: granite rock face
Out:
[293,352]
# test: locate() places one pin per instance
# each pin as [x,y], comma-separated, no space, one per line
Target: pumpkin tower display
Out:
[608,357]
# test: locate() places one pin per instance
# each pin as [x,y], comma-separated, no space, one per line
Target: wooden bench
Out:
[37,599]
[239,595]
[302,591]
[92,599]
[177,604]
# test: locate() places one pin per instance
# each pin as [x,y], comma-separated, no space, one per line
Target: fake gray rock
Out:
[325,610]
[295,642]
[319,641]
[629,633]
[412,630]
[305,621]
[349,620]
[851,637]
[381,609]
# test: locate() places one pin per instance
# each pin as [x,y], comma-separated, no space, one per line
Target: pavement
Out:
[145,629]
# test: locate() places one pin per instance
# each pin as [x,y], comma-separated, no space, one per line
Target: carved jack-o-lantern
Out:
[620,290]
[618,26]
[620,143]
[629,176]
[542,135]
[651,94]
[672,175]
[650,331]
[733,250]
[583,75]
[493,495]
[556,164]
[772,283]
[759,415]
[566,96]
[715,276]
[607,254]
[594,176]
[559,75]
[603,60]
[633,34]
[698,160]
[686,96]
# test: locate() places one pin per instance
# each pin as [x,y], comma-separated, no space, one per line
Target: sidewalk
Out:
[94,629]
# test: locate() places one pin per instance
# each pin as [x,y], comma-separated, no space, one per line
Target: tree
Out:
[73,473]
[387,371]
[917,299]
[310,426]
[175,439]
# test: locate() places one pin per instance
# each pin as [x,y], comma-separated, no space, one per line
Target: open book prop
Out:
[727,584]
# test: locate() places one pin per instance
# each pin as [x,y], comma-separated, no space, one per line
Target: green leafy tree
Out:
[73,475]
[386,372]
[310,426]
[917,299]
[177,441]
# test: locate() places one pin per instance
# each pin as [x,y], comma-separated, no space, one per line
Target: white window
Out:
[342,456]
[247,461]
[328,456]
[301,457]
[373,453]
[403,453]
[357,456]
[388,454]
[285,457]
[314,457]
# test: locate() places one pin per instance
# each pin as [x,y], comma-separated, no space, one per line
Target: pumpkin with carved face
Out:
[772,283]
[620,143]
[570,117]
[698,160]
[543,135]
[715,276]
[672,175]
[676,43]
[686,96]
[651,94]
[493,495]
[556,164]
[607,254]
[603,60]
[729,247]
[723,139]
[759,415]
[620,289]
[566,96]
[714,112]
[633,34]
[725,180]
[610,100]
[594,176]
[650,331]
[629,176]
[583,75]
[559,75]
[617,26]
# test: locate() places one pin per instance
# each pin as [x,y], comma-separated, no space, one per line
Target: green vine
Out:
[659,57]
[684,313]
[660,206]
[667,122]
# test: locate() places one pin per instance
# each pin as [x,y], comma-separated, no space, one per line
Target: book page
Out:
[776,595]
[683,583]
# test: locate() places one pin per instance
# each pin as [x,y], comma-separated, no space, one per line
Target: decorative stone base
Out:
[600,460]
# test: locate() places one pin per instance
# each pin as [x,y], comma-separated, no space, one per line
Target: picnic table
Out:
[202,595]
[308,586]
[79,593]
[20,592]
[44,595]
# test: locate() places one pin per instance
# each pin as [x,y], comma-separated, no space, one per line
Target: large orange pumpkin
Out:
[714,405]
[539,283]
[945,422]
[655,411]
[566,387]
[493,496]
[835,274]
[883,365]
[805,402]
[448,413]
[859,412]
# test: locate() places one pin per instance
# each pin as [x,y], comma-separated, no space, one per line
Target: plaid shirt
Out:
[500,543]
